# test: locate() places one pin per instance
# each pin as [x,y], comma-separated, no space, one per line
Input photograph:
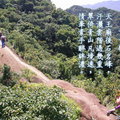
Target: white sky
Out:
[64,4]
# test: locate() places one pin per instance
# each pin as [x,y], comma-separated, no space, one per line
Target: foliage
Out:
[115,16]
[8,78]
[51,67]
[69,67]
[27,74]
[47,38]
[36,101]
[103,87]
[42,35]
[39,27]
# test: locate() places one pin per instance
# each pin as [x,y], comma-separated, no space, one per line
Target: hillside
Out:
[17,64]
[51,34]
[115,16]
[46,37]
[91,107]
[43,38]
[114,5]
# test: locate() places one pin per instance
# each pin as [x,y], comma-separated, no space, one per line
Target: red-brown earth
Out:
[88,102]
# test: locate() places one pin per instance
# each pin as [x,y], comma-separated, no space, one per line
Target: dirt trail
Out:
[91,107]
[9,58]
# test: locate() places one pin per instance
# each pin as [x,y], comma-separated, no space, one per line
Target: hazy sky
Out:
[68,3]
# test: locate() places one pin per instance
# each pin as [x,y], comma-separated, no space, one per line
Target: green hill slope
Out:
[46,37]
[115,16]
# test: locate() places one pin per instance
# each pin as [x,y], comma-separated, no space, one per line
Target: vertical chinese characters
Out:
[95,52]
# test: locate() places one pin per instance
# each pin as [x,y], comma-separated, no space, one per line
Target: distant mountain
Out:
[114,5]
[115,16]
[75,9]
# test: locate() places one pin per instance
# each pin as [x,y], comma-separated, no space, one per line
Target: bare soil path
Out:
[16,64]
[91,107]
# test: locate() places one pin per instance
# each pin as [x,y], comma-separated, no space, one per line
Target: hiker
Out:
[3,39]
[117,102]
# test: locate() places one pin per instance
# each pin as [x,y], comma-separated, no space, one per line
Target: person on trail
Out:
[3,39]
[117,102]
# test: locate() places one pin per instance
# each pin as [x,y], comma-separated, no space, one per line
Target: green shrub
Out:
[27,74]
[7,77]
[103,87]
[36,102]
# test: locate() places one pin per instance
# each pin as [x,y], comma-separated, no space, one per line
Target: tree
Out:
[7,75]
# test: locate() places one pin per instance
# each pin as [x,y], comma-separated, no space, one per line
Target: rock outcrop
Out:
[90,105]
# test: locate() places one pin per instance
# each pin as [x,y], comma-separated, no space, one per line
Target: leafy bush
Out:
[27,74]
[50,67]
[7,77]
[36,102]
[103,87]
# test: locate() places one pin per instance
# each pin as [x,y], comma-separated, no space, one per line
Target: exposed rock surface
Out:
[91,107]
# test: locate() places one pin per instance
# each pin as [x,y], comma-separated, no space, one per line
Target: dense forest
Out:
[37,27]
[47,38]
[115,15]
